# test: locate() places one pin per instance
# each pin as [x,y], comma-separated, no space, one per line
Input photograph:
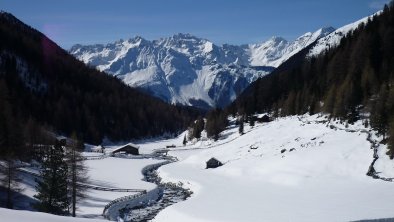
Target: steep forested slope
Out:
[41,84]
[352,79]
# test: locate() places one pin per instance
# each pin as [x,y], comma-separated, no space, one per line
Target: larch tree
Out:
[10,179]
[390,144]
[241,126]
[77,172]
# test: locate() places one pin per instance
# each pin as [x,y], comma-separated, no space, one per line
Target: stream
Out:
[171,193]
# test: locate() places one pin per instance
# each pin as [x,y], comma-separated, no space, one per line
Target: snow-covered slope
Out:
[334,38]
[189,70]
[20,215]
[277,50]
[291,169]
[108,173]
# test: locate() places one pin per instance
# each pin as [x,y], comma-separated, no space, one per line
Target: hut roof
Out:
[214,159]
[129,144]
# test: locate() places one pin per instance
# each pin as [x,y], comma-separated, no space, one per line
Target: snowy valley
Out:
[180,129]
[299,168]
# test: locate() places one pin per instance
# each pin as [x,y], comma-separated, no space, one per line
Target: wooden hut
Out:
[213,163]
[263,119]
[128,149]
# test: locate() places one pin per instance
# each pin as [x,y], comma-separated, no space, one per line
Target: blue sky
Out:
[221,21]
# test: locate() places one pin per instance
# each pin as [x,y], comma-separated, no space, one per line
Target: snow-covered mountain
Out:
[192,71]
[277,50]
[334,38]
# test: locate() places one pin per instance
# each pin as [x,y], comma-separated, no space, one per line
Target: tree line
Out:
[42,82]
[352,81]
[44,91]
[60,185]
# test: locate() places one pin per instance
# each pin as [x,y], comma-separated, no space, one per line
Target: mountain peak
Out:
[277,39]
[137,40]
[184,36]
[185,69]
[325,31]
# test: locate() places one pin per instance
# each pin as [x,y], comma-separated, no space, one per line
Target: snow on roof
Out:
[123,146]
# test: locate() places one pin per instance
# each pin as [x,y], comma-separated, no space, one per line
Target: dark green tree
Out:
[196,128]
[379,116]
[241,126]
[216,123]
[184,141]
[77,172]
[390,142]
[52,187]
[10,179]
[252,120]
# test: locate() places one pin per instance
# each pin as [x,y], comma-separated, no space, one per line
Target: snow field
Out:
[322,179]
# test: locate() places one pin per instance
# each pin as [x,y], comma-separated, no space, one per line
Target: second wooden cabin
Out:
[213,163]
[128,149]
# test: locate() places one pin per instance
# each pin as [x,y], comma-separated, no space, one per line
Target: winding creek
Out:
[170,193]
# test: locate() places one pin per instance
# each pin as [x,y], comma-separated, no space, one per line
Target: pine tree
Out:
[216,123]
[252,120]
[10,179]
[390,144]
[196,128]
[11,136]
[52,188]
[184,140]
[76,173]
[241,126]
[379,116]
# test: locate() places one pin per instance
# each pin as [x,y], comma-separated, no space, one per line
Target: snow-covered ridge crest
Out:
[334,38]
[185,69]
[277,50]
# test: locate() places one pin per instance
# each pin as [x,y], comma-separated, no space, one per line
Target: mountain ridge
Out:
[185,69]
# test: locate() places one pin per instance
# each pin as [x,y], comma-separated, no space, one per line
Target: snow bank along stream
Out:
[146,205]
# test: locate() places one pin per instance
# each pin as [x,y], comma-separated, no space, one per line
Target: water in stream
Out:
[171,193]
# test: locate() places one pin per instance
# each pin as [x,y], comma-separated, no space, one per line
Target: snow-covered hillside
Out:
[292,169]
[277,50]
[189,70]
[20,215]
[334,38]
[108,177]
[300,168]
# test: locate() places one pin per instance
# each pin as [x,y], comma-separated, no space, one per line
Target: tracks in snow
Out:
[374,146]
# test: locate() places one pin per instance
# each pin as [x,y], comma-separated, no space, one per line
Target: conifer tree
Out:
[241,126]
[76,172]
[390,144]
[196,128]
[184,140]
[10,179]
[379,116]
[216,123]
[252,120]
[52,187]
